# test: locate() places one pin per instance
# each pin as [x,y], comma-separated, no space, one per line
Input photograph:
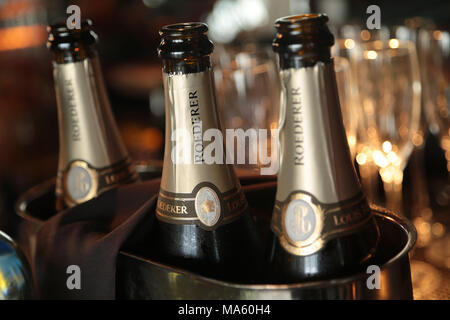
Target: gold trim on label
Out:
[175,198]
[163,215]
[355,226]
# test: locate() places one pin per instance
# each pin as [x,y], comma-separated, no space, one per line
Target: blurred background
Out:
[394,86]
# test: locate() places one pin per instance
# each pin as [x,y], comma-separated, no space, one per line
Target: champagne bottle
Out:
[322,224]
[203,224]
[92,155]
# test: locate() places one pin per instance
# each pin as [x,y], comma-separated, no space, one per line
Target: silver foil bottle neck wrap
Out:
[319,196]
[15,276]
[313,146]
[194,190]
[92,155]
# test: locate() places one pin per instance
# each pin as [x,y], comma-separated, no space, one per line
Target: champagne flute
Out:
[435,45]
[345,47]
[247,88]
[347,99]
[390,90]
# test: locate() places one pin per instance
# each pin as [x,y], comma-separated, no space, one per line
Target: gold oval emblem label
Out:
[207,206]
[300,221]
[81,182]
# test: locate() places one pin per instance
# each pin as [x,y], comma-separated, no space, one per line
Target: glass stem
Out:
[392,183]
[369,181]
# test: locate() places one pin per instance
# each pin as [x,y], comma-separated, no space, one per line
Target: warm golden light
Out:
[378,44]
[361,158]
[351,141]
[349,43]
[393,175]
[372,133]
[403,131]
[3,283]
[437,35]
[394,43]
[398,178]
[392,157]
[438,229]
[365,150]
[20,37]
[386,175]
[368,106]
[396,160]
[370,54]
[445,143]
[365,35]
[379,159]
[423,231]
[387,147]
[17,8]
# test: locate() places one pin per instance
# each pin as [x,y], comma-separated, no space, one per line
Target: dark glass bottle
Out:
[92,155]
[322,223]
[203,224]
[15,273]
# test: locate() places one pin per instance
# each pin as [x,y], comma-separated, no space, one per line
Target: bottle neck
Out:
[72,45]
[303,40]
[288,60]
[190,112]
[92,156]
[315,157]
[187,65]
[74,53]
[87,128]
[319,197]
[197,186]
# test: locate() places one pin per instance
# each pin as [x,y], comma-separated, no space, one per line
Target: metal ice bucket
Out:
[141,278]
[15,276]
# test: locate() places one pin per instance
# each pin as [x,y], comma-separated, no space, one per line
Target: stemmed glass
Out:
[435,45]
[345,47]
[248,93]
[348,100]
[390,92]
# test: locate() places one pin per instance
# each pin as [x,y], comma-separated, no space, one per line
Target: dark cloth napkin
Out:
[90,236]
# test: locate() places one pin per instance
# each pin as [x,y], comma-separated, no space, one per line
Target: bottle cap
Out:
[184,41]
[302,40]
[62,38]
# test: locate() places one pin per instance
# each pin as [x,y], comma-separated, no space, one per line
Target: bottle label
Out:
[304,225]
[205,206]
[192,190]
[87,128]
[81,182]
[316,178]
[92,155]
